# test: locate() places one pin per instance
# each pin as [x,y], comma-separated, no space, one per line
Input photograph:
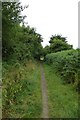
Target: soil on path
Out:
[45,113]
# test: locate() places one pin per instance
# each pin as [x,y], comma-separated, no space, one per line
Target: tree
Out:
[57,37]
[10,18]
[32,40]
[59,43]
[19,42]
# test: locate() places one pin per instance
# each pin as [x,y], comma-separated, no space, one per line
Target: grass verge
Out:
[63,99]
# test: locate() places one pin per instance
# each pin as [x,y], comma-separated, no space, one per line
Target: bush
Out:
[67,64]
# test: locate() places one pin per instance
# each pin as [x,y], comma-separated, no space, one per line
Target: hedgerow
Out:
[67,64]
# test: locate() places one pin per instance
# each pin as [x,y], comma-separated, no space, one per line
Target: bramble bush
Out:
[67,64]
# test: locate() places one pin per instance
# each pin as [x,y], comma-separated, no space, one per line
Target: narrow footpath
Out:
[45,113]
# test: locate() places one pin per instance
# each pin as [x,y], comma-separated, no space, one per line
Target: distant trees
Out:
[46,50]
[57,43]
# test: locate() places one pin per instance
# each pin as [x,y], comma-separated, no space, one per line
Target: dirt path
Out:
[44,94]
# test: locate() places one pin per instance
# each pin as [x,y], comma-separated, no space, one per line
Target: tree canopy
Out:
[23,42]
[59,43]
[18,41]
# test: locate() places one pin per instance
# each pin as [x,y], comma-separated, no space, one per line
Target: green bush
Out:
[67,64]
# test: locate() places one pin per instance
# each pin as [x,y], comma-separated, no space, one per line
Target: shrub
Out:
[67,64]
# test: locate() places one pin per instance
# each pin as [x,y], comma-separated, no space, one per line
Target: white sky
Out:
[51,17]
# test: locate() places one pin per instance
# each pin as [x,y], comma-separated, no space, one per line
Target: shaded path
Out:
[44,94]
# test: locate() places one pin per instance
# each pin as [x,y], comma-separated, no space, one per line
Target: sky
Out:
[51,17]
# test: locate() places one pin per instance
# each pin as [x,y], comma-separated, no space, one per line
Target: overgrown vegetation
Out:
[66,63]
[21,91]
[21,48]
[21,78]
[18,41]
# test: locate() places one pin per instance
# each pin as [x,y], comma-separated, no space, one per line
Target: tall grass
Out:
[21,91]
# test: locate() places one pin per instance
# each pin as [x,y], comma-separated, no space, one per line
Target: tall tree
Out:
[19,42]
[10,17]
